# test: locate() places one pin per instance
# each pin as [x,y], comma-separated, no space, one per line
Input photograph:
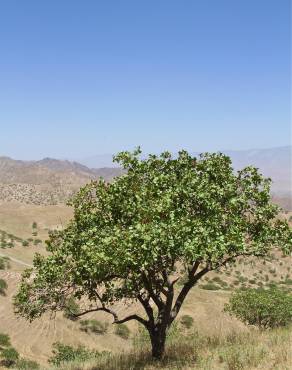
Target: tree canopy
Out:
[134,238]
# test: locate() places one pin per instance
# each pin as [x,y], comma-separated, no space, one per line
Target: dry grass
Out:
[237,351]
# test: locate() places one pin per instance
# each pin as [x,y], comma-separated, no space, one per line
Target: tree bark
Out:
[158,338]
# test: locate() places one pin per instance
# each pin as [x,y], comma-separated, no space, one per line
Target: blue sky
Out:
[79,78]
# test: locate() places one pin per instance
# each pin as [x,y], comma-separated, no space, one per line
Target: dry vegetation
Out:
[215,341]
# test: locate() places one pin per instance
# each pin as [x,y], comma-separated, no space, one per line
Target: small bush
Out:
[63,353]
[209,286]
[187,321]
[4,263]
[3,287]
[123,331]
[4,340]
[9,356]
[25,243]
[24,364]
[94,326]
[71,309]
[263,308]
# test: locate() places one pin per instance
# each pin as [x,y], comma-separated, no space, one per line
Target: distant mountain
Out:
[99,161]
[275,163]
[48,181]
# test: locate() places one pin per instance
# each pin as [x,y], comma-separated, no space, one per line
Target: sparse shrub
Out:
[37,241]
[9,356]
[34,225]
[63,353]
[209,286]
[25,243]
[287,282]
[263,308]
[122,331]
[71,309]
[217,279]
[4,340]
[94,326]
[4,263]
[187,321]
[3,287]
[23,364]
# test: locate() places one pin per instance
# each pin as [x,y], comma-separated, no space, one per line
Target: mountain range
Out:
[50,181]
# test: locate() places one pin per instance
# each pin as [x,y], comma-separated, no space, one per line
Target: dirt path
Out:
[16,260]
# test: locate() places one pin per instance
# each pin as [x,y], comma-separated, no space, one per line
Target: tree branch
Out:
[132,317]
[148,309]
[185,290]
[157,300]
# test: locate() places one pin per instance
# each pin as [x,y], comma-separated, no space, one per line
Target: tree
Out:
[133,239]
[264,308]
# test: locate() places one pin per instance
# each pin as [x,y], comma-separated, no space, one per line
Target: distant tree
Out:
[34,225]
[134,238]
[263,308]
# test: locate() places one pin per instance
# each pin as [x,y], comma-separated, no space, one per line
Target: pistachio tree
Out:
[133,239]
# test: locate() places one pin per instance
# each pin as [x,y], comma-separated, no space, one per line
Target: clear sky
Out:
[86,77]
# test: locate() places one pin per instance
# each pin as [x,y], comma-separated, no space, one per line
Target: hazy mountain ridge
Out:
[47,181]
[51,181]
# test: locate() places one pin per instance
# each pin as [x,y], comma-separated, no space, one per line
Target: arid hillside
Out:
[49,181]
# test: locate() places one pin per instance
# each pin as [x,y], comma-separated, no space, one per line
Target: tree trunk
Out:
[158,338]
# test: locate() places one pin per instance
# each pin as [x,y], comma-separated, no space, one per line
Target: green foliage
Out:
[122,331]
[128,238]
[9,356]
[210,286]
[4,340]
[23,364]
[4,263]
[71,309]
[25,243]
[3,287]
[94,326]
[34,225]
[263,308]
[187,321]
[63,353]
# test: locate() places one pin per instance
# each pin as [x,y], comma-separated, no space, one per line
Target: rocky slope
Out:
[48,181]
